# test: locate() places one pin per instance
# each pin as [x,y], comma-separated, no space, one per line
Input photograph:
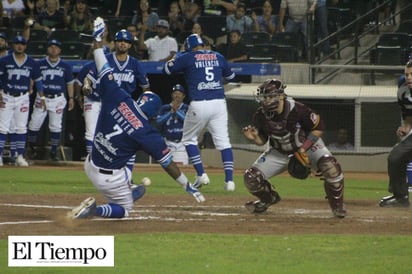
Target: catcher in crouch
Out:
[294,132]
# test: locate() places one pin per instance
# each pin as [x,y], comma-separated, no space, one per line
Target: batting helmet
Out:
[178,87]
[149,103]
[123,35]
[297,170]
[192,41]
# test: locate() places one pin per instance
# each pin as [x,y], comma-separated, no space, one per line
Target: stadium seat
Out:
[293,39]
[37,49]
[118,23]
[253,38]
[65,35]
[401,39]
[388,56]
[405,26]
[38,35]
[213,26]
[261,53]
[73,50]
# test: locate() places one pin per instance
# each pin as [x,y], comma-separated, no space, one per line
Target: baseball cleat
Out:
[98,29]
[138,191]
[195,193]
[229,186]
[86,209]
[259,206]
[20,161]
[394,201]
[201,180]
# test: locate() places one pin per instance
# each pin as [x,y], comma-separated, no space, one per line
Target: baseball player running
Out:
[170,120]
[57,76]
[290,128]
[203,71]
[16,72]
[123,128]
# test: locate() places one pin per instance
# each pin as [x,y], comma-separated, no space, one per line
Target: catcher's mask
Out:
[297,170]
[269,94]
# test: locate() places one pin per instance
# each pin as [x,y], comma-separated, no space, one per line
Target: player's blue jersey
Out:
[203,71]
[89,70]
[128,74]
[55,76]
[123,129]
[15,78]
[171,124]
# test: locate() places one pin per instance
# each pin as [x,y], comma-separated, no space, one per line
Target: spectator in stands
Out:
[297,20]
[235,50]
[162,47]
[321,25]
[80,18]
[257,4]
[219,7]
[175,18]
[342,142]
[239,20]
[51,18]
[4,46]
[134,49]
[13,8]
[197,29]
[267,22]
[36,8]
[145,17]
[191,10]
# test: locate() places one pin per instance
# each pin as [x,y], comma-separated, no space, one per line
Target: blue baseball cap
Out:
[3,35]
[192,41]
[178,87]
[19,40]
[54,42]
[123,35]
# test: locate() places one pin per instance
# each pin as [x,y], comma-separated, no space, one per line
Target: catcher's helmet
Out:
[149,103]
[192,41]
[123,35]
[178,87]
[271,87]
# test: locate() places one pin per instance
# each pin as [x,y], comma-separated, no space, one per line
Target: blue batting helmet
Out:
[178,87]
[192,41]
[149,103]
[123,35]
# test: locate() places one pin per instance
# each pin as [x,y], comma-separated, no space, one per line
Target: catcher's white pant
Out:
[55,109]
[16,109]
[272,162]
[211,114]
[178,151]
[114,184]
[91,113]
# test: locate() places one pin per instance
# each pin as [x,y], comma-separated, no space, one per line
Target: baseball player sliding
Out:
[123,128]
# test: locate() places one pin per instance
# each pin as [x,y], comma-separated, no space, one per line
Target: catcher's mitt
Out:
[297,170]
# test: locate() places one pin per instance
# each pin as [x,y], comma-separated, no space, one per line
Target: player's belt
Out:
[103,171]
[18,94]
[106,171]
[51,96]
[174,140]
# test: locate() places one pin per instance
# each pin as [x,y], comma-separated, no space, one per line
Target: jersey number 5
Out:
[209,74]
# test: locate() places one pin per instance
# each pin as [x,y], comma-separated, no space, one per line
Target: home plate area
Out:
[226,214]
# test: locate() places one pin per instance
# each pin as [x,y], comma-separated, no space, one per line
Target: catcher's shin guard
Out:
[261,188]
[334,194]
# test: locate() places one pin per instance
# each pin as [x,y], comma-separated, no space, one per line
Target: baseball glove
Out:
[297,170]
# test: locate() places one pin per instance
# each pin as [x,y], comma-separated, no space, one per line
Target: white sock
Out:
[100,59]
[182,180]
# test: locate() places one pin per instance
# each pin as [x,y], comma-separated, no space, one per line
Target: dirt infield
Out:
[45,215]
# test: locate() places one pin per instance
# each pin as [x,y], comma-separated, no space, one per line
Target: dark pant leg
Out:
[399,157]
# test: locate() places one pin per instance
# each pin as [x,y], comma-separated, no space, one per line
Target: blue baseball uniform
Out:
[204,71]
[57,79]
[128,74]
[171,127]
[15,82]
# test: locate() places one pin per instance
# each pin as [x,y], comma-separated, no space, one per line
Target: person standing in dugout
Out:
[401,153]
[294,133]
